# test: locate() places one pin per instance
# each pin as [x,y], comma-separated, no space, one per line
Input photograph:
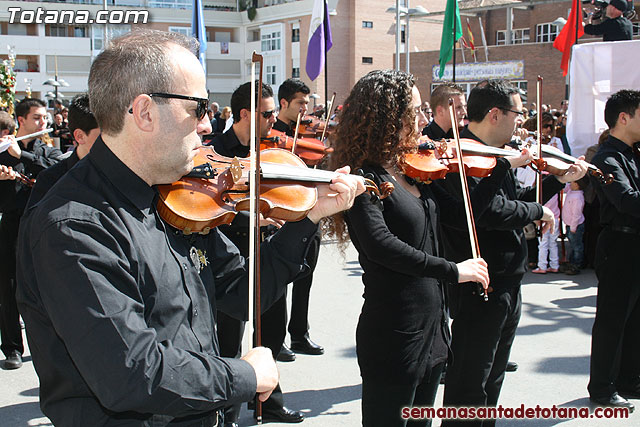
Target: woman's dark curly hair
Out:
[369,132]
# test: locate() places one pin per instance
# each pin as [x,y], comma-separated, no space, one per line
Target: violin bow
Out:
[471,224]
[539,148]
[327,111]
[295,135]
[254,216]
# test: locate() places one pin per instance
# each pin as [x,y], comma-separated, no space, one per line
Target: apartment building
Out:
[363,40]
[521,56]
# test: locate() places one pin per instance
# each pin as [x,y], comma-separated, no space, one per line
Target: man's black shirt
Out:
[36,156]
[612,29]
[283,127]
[118,305]
[620,200]
[435,132]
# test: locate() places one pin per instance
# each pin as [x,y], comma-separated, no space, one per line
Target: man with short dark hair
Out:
[293,98]
[84,129]
[119,304]
[483,332]
[29,157]
[615,345]
[440,127]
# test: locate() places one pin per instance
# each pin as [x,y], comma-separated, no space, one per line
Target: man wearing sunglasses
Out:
[483,331]
[119,306]
[235,143]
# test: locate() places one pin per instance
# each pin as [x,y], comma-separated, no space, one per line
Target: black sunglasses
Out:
[201,108]
[267,114]
[513,111]
[548,125]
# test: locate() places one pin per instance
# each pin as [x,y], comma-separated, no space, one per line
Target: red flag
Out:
[567,36]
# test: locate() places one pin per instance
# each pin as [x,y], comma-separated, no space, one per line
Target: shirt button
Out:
[195,311]
[304,239]
[184,266]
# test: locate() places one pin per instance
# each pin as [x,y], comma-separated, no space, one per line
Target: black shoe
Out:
[281,415]
[14,361]
[230,424]
[285,354]
[511,366]
[306,346]
[614,400]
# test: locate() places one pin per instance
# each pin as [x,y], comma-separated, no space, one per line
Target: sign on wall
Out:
[475,71]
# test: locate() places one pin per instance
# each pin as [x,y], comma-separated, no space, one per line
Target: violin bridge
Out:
[236,170]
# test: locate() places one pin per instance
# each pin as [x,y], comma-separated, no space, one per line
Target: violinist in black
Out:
[402,336]
[440,127]
[615,346]
[293,98]
[483,332]
[235,143]
[29,157]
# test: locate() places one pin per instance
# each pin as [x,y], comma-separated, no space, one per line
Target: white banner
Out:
[597,71]
[476,71]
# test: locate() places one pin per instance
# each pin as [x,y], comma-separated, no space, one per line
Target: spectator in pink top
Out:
[574,218]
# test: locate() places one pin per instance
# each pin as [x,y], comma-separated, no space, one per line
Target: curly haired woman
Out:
[402,335]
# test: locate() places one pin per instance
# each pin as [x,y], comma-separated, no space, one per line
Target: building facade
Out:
[363,40]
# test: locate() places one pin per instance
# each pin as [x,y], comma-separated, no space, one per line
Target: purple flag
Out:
[319,38]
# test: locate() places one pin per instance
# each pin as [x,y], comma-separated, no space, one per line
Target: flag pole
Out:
[454,46]
[578,10]
[326,56]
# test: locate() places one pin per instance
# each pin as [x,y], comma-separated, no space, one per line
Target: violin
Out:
[434,160]
[311,127]
[310,150]
[218,187]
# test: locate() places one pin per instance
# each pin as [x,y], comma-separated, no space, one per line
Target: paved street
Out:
[552,348]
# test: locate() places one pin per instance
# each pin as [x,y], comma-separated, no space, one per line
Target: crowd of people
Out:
[131,321]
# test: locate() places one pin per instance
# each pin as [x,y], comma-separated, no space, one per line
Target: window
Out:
[58,31]
[295,35]
[181,30]
[79,32]
[176,4]
[367,60]
[636,28]
[367,24]
[271,74]
[402,34]
[546,33]
[295,73]
[518,36]
[271,41]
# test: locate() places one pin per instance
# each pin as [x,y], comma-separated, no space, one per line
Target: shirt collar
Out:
[232,144]
[139,193]
[618,144]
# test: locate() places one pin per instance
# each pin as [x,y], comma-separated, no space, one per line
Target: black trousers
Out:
[230,332]
[481,337]
[299,322]
[615,342]
[10,331]
[382,403]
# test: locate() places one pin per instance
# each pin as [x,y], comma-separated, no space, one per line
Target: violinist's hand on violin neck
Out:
[473,270]
[337,196]
[575,171]
[261,360]
[521,158]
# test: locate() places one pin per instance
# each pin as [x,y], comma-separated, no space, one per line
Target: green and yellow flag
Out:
[451,17]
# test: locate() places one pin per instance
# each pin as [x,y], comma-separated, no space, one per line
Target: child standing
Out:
[574,218]
[548,246]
